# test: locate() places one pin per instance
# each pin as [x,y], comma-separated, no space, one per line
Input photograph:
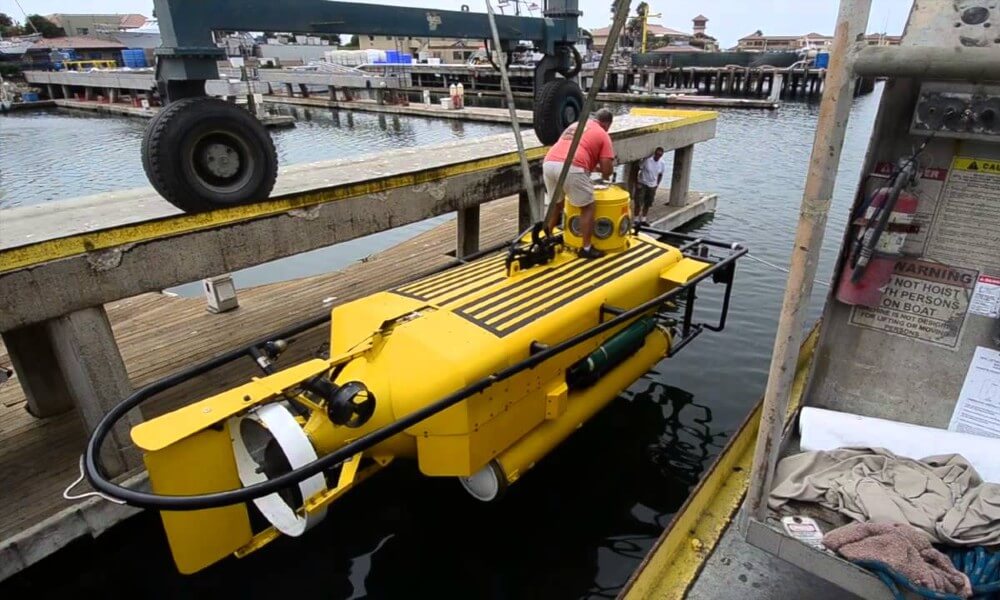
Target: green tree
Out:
[8,27]
[633,30]
[47,28]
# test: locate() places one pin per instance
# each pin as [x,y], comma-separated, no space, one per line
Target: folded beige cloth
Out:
[904,550]
[943,496]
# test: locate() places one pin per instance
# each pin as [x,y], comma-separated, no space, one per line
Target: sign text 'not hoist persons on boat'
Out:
[924,300]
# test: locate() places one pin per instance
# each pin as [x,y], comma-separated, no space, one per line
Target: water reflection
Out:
[686,442]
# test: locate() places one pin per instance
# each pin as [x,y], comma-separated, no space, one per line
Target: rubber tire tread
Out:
[548,110]
[164,172]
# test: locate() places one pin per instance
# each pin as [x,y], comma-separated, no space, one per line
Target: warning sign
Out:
[966,230]
[986,298]
[977,164]
[927,190]
[925,301]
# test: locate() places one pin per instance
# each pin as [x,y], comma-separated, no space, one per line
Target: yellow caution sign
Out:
[976,165]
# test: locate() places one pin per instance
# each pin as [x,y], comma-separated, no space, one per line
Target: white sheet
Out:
[828,430]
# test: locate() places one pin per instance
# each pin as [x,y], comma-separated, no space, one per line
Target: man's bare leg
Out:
[587,223]
[555,218]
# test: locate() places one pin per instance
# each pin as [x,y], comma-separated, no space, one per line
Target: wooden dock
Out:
[158,334]
[469,113]
[788,82]
[660,97]
[689,100]
[272,121]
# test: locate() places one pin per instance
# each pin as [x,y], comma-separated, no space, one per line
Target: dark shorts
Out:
[644,196]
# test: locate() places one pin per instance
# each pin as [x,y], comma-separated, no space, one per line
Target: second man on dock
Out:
[650,176]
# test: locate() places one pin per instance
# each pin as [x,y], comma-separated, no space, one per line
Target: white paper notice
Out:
[986,299]
[978,408]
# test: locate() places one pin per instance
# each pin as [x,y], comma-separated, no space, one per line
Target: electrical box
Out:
[220,292]
[954,110]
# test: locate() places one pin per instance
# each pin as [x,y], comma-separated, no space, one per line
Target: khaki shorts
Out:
[578,187]
[644,196]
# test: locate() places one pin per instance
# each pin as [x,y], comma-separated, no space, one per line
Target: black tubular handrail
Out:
[226,498]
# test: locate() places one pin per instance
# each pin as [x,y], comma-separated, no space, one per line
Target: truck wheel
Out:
[558,105]
[204,153]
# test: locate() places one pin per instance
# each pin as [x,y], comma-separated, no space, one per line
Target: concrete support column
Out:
[88,93]
[34,360]
[680,181]
[74,361]
[332,91]
[95,375]
[289,90]
[777,82]
[304,89]
[67,92]
[650,82]
[112,95]
[468,231]
[51,91]
[631,177]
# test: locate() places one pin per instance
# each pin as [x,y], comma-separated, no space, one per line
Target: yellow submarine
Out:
[476,372]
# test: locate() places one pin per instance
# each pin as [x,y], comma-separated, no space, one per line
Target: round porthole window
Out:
[574,226]
[624,226]
[604,228]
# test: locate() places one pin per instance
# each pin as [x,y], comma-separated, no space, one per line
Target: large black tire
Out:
[557,106]
[204,153]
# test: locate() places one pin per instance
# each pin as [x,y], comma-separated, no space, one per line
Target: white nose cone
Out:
[486,484]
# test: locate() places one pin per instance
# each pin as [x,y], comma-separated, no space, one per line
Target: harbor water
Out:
[578,524]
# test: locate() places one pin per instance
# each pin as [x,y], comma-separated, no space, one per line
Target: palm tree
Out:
[633,28]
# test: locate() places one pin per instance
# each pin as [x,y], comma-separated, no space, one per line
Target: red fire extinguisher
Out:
[878,244]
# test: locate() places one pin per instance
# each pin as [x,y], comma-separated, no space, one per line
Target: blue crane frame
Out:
[188,55]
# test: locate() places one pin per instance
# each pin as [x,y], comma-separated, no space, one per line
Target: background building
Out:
[77,25]
[701,40]
[666,39]
[881,39]
[758,42]
[449,50]
[656,35]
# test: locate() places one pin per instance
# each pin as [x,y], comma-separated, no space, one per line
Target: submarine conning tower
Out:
[612,220]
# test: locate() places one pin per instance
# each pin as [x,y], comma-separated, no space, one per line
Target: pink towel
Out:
[902,548]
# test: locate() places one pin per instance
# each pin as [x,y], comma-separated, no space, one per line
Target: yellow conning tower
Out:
[612,220]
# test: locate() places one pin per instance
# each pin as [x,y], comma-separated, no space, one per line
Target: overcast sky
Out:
[729,20]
